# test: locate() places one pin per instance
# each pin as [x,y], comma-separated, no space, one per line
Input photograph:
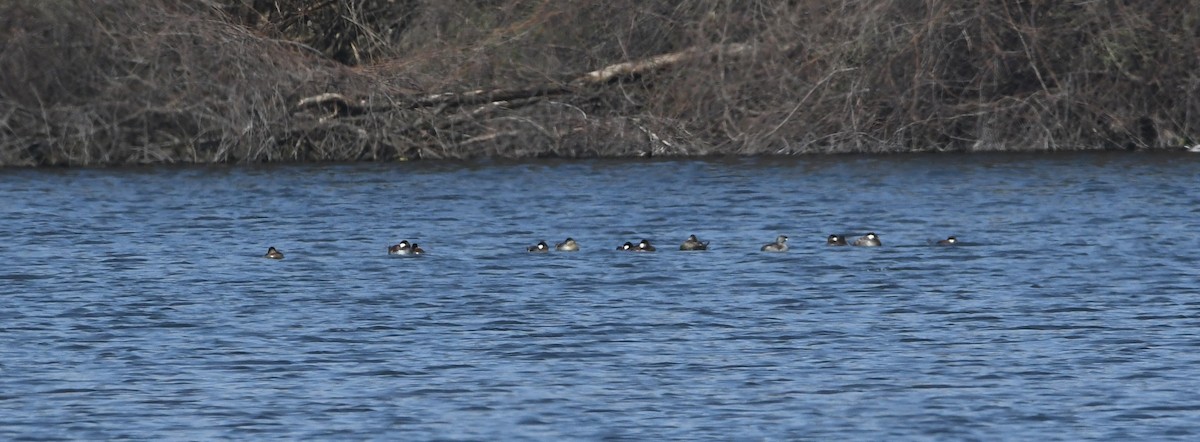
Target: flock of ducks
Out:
[692,243]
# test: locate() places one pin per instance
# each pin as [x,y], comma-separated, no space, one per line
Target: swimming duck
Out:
[780,245]
[870,240]
[693,243]
[948,241]
[400,249]
[627,247]
[273,254]
[835,240]
[541,247]
[644,246]
[567,246]
[417,250]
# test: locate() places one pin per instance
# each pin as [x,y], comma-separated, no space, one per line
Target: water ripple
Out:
[146,312]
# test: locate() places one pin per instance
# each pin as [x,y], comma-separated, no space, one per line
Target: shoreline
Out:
[1013,155]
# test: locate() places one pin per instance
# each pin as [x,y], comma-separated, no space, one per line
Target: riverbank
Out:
[165,81]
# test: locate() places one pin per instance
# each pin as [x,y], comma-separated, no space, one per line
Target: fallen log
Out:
[338,104]
[634,68]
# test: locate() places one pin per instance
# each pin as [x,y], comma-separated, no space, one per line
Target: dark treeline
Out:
[165,81]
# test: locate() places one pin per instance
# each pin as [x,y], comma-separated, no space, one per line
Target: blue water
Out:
[136,303]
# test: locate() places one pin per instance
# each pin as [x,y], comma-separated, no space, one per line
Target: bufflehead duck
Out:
[780,245]
[870,240]
[693,243]
[540,247]
[417,250]
[627,247]
[400,249]
[567,246]
[273,254]
[644,246]
[835,240]
[948,241]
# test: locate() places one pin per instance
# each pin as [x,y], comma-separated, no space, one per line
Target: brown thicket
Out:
[149,81]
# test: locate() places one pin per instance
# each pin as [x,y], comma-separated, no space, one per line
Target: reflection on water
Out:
[138,304]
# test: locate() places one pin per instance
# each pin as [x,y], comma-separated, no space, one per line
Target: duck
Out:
[400,249]
[870,240]
[693,243]
[417,250]
[273,254]
[627,247]
[540,247]
[835,240]
[948,241]
[780,245]
[644,246]
[567,246]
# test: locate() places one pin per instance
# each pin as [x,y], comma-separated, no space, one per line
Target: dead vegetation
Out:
[165,81]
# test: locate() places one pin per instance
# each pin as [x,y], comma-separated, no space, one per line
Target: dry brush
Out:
[167,81]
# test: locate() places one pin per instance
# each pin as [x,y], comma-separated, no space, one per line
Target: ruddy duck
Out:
[948,241]
[567,246]
[417,250]
[871,240]
[273,254]
[541,247]
[835,240]
[627,247]
[780,245]
[694,243]
[400,249]
[644,246]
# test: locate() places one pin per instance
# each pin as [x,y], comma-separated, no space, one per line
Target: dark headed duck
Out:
[644,246]
[835,240]
[693,243]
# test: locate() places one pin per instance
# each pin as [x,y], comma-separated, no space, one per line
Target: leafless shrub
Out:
[143,82]
[129,81]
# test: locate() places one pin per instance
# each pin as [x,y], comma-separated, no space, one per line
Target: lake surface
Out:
[137,304]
